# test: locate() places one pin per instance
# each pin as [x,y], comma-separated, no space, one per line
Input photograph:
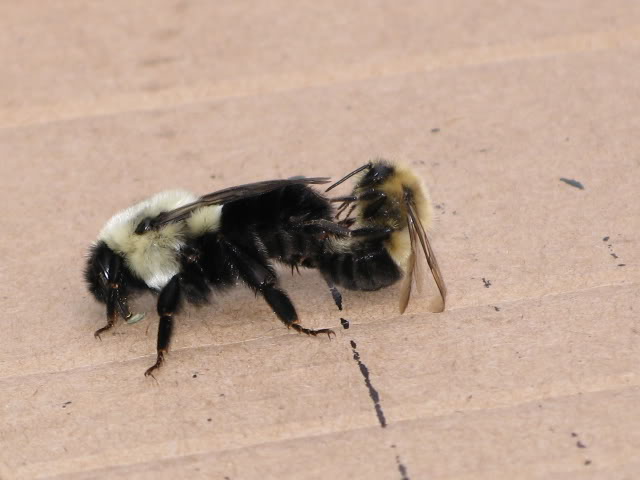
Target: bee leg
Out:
[168,305]
[322,225]
[372,232]
[377,198]
[112,301]
[335,293]
[261,278]
[286,312]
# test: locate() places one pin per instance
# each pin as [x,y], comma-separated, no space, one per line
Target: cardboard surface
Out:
[532,372]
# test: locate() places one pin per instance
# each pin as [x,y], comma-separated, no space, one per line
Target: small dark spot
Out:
[353,344]
[345,323]
[622,264]
[566,139]
[579,444]
[64,405]
[393,445]
[195,375]
[454,212]
[573,183]
[483,150]
[212,176]
[469,397]
[574,434]
[435,130]
[613,255]
[539,405]
[209,419]
[221,395]
[487,283]
[605,239]
[497,309]
[587,462]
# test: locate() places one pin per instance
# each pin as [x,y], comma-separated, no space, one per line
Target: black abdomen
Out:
[367,267]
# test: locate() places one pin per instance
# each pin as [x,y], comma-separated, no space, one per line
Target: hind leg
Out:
[261,278]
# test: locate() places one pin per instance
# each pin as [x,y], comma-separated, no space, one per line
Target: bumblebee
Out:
[183,247]
[390,208]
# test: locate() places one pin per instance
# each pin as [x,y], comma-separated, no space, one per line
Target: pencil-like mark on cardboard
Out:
[402,469]
[573,183]
[373,393]
[487,283]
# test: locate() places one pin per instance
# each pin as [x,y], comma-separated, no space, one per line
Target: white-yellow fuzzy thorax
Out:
[153,256]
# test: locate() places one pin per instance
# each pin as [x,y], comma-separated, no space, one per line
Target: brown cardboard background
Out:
[103,105]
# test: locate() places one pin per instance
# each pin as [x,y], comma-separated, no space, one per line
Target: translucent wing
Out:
[417,230]
[407,281]
[225,196]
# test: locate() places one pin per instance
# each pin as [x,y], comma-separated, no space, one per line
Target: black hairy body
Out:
[285,224]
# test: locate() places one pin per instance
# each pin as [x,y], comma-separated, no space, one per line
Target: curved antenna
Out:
[349,175]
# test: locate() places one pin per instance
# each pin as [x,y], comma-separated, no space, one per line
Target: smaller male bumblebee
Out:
[391,210]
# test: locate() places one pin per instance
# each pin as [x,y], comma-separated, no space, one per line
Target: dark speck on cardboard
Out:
[497,309]
[64,405]
[605,239]
[573,183]
[574,434]
[487,283]
[579,444]
[587,462]
[435,130]
[345,323]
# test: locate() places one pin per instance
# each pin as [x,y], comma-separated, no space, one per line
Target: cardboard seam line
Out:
[376,427]
[374,323]
[330,75]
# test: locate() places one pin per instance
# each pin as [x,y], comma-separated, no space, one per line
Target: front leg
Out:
[168,304]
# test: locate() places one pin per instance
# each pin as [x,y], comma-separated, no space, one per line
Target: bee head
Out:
[109,279]
[380,171]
